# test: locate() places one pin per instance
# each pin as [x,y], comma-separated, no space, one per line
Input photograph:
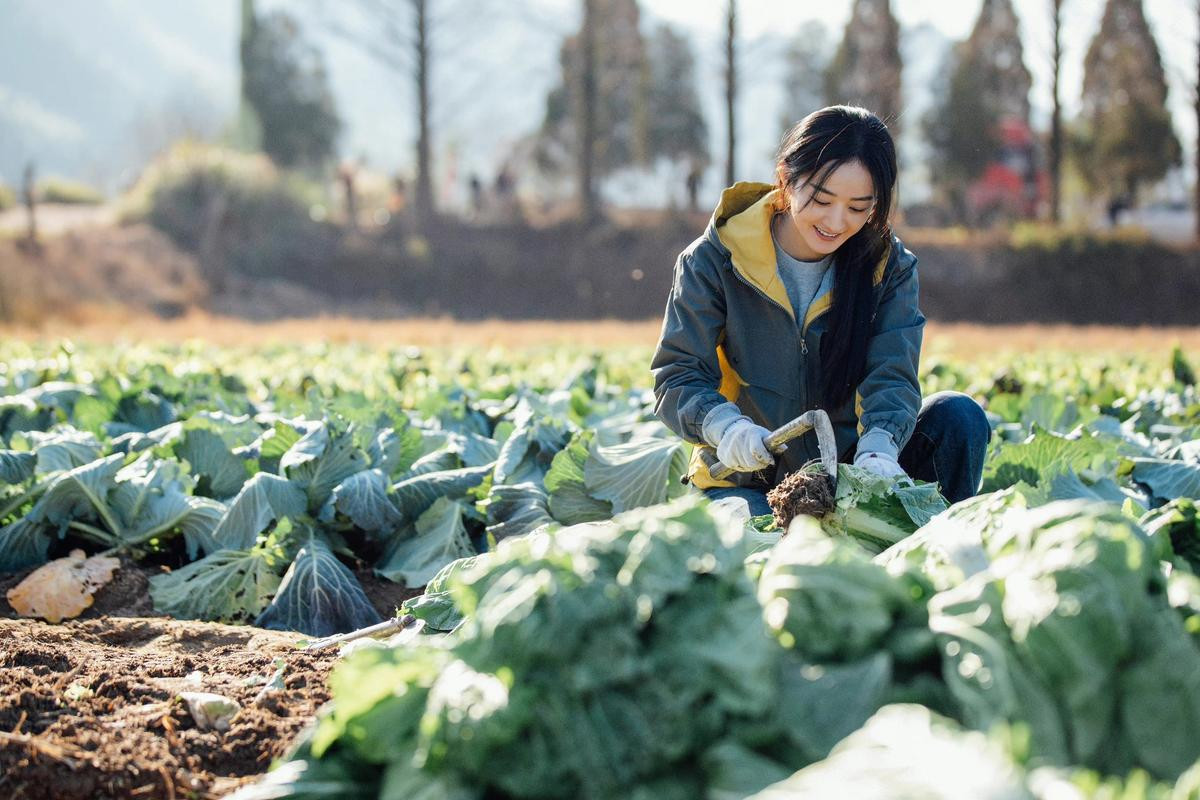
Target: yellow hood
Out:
[742,224]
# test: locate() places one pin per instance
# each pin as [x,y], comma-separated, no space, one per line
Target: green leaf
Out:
[91,413]
[821,704]
[404,780]
[263,499]
[23,543]
[439,460]
[1167,480]
[516,510]
[308,778]
[475,450]
[394,450]
[413,496]
[273,443]
[734,771]
[81,494]
[363,498]
[1044,455]
[16,466]
[525,455]
[1179,522]
[63,449]
[878,511]
[150,501]
[437,610]
[569,501]
[906,750]
[142,411]
[635,474]
[219,472]
[1070,486]
[319,596]
[321,459]
[440,538]
[225,586]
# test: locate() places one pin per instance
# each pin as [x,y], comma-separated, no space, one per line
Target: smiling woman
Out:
[799,296]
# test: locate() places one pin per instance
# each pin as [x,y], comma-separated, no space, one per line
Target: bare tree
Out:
[731,90]
[588,206]
[401,43]
[29,196]
[424,193]
[1056,132]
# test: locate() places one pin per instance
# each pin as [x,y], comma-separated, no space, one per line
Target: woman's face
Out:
[827,217]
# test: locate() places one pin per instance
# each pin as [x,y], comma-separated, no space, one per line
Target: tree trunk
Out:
[29,195]
[1197,185]
[423,200]
[587,114]
[731,92]
[209,253]
[1056,137]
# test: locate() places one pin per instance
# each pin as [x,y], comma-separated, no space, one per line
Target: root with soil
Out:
[808,491]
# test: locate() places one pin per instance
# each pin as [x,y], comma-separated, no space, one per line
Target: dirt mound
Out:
[94,270]
[89,709]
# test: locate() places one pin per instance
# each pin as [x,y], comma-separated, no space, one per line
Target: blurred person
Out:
[476,186]
[800,296]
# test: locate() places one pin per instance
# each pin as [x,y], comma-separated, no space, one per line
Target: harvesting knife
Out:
[776,441]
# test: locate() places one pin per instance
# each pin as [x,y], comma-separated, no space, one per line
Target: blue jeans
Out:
[947,447]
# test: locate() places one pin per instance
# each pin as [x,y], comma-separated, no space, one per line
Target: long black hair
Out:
[813,149]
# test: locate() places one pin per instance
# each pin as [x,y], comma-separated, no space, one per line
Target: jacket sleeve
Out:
[685,366]
[889,395]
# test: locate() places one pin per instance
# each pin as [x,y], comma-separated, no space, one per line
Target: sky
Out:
[1173,23]
[493,70]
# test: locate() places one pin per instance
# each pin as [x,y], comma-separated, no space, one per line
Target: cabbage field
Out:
[587,625]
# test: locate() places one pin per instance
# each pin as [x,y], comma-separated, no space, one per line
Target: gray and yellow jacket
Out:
[730,335]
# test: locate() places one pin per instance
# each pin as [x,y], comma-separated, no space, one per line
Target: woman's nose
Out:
[836,219]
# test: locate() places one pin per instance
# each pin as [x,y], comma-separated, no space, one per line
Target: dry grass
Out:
[956,339]
[427,332]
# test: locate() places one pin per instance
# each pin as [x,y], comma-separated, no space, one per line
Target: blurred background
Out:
[547,159]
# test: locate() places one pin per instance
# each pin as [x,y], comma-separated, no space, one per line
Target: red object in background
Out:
[1011,187]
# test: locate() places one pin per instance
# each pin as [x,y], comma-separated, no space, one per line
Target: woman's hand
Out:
[882,464]
[742,446]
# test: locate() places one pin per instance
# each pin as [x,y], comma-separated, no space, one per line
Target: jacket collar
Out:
[741,225]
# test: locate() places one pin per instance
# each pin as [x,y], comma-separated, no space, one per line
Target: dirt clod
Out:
[806,491]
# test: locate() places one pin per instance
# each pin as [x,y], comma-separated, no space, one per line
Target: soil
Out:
[805,491]
[385,595]
[89,708]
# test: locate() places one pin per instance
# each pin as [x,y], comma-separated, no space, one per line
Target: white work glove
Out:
[742,446]
[882,464]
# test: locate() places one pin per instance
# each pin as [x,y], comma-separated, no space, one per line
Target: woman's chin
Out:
[822,246]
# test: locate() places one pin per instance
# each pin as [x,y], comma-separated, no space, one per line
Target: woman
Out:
[799,296]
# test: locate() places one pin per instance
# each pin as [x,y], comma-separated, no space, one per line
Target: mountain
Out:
[90,89]
[85,83]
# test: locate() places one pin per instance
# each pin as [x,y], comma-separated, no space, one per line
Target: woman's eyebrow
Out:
[852,199]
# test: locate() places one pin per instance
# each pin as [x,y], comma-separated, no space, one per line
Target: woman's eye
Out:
[859,210]
[820,202]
